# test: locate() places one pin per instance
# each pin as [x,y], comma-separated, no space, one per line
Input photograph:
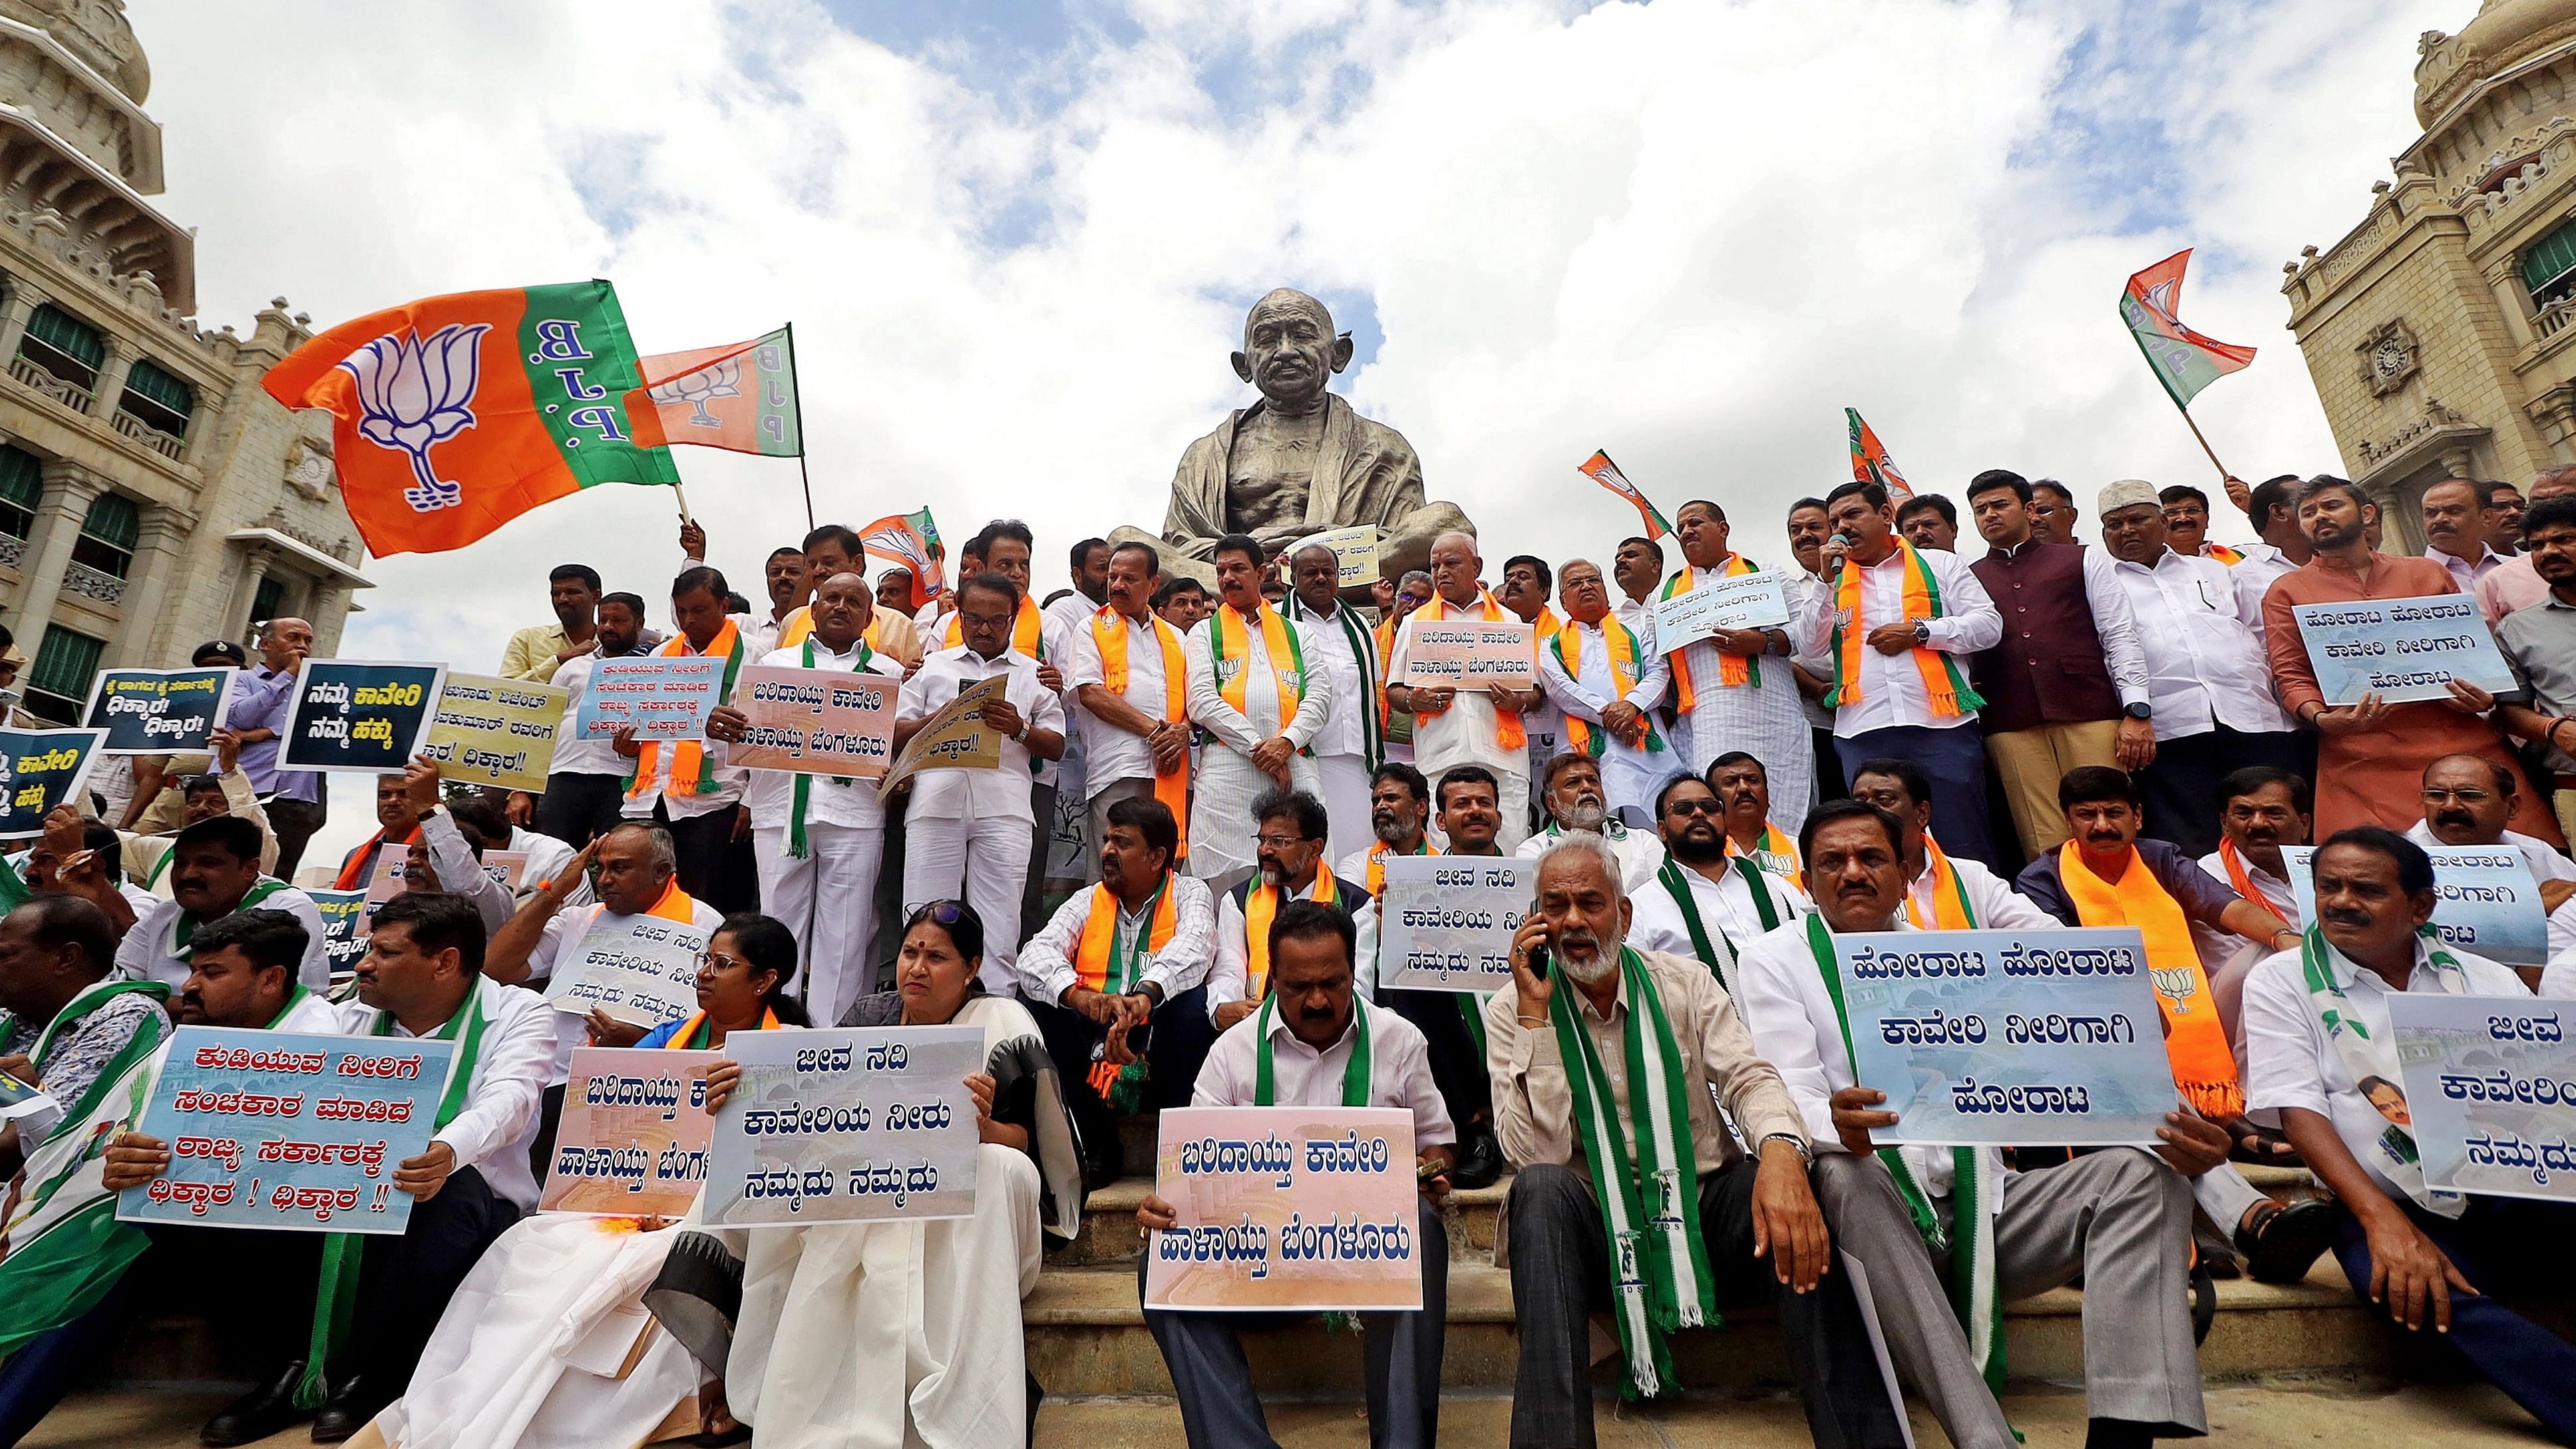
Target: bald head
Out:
[1454,566]
[1290,350]
[1282,302]
[284,643]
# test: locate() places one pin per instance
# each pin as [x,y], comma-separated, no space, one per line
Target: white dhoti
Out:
[1763,720]
[547,1345]
[829,900]
[1221,823]
[1346,800]
[984,862]
[892,1335]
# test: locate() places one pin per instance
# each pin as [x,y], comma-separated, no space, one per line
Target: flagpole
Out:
[2223,474]
[796,401]
[683,500]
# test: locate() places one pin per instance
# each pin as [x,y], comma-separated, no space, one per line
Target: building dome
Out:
[2504,34]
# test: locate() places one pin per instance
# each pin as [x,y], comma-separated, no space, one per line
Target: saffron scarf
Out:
[353,874]
[1229,654]
[798,848]
[1377,863]
[2243,879]
[1355,1072]
[2204,1065]
[335,1294]
[1092,966]
[1705,943]
[1109,632]
[1951,696]
[1968,1243]
[1645,1175]
[1621,646]
[692,772]
[695,1033]
[1260,907]
[1026,637]
[2365,1056]
[1950,908]
[1508,733]
[2222,553]
[1776,853]
[1733,670]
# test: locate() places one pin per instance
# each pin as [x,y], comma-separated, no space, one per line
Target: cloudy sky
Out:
[1017,237]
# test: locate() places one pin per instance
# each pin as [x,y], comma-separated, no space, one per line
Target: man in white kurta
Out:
[968,831]
[217,873]
[817,839]
[1607,677]
[1253,747]
[1704,903]
[1762,715]
[1570,794]
[1942,892]
[1342,647]
[1128,675]
[1453,727]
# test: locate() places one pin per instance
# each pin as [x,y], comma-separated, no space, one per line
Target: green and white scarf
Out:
[183,928]
[1355,1072]
[335,1296]
[2367,1056]
[797,848]
[1364,654]
[1713,948]
[1649,1194]
[1976,1190]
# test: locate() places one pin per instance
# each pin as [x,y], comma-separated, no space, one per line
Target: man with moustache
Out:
[1606,678]
[1317,1042]
[446,851]
[2455,531]
[2262,808]
[783,574]
[1642,1203]
[1289,844]
[535,653]
[263,699]
[2538,640]
[1744,791]
[1399,809]
[1481,727]
[1571,790]
[1130,677]
[1638,568]
[1352,742]
[2119,1218]
[2518,584]
[1942,892]
[1737,690]
[2052,511]
[1706,901]
[1812,592]
[216,873]
[2467,800]
[586,784]
[1255,688]
[818,840]
[1929,520]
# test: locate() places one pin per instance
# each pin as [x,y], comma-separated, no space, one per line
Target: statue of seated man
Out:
[1299,461]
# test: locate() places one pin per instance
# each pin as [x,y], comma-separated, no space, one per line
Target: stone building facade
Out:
[151,496]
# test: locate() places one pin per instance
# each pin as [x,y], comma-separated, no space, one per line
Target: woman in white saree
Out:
[547,1344]
[900,1335]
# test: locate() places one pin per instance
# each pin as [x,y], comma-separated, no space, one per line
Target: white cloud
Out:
[1691,233]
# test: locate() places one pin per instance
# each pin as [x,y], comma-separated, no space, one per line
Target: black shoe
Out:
[352,1403]
[257,1414]
[2281,1244]
[2204,1304]
[1481,1164]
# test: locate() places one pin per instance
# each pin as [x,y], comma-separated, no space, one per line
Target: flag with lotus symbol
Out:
[1869,460]
[912,540]
[453,415]
[2184,361]
[740,396]
[1601,470]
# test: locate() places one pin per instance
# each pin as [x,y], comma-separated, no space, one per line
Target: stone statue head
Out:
[1290,350]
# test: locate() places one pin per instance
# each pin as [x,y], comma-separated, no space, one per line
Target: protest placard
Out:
[273,1129]
[1446,921]
[815,721]
[1746,601]
[40,769]
[359,715]
[2400,649]
[498,732]
[159,711]
[507,868]
[344,926]
[1354,549]
[2485,900]
[637,969]
[2490,1088]
[847,1124]
[22,1099]
[2008,1036]
[955,738]
[1286,1208]
[1455,653]
[633,1142]
[659,697]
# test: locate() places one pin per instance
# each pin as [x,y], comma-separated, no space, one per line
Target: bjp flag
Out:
[740,396]
[453,415]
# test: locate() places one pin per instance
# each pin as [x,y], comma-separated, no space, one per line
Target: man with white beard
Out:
[1570,787]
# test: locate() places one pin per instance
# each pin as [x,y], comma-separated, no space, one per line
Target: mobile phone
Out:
[1425,1171]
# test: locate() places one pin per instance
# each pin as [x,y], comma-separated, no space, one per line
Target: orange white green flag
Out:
[1869,460]
[911,540]
[453,415]
[1601,470]
[2184,360]
[740,396]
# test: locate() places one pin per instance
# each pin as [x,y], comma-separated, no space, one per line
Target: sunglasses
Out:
[1694,807]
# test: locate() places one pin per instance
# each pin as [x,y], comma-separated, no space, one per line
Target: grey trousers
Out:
[1561,1273]
[1219,1409]
[2121,1219]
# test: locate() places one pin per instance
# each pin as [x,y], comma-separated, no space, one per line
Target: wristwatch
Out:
[2140,710]
[1806,1155]
[1922,633]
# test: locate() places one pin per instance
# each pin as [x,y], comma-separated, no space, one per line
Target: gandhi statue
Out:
[1300,460]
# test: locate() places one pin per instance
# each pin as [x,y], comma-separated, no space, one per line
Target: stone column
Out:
[21,305]
[156,563]
[69,491]
[245,594]
[110,385]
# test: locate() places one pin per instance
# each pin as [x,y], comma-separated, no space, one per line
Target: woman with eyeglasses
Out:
[822,1342]
[517,1357]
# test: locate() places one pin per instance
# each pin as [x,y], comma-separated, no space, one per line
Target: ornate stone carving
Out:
[2388,357]
[309,470]
[92,583]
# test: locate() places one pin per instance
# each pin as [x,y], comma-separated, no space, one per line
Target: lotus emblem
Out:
[699,388]
[416,393]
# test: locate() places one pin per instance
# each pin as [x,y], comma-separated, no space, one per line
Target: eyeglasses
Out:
[717,960]
[1281,842]
[1694,807]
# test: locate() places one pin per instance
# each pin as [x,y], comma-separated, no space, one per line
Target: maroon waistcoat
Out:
[2048,669]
